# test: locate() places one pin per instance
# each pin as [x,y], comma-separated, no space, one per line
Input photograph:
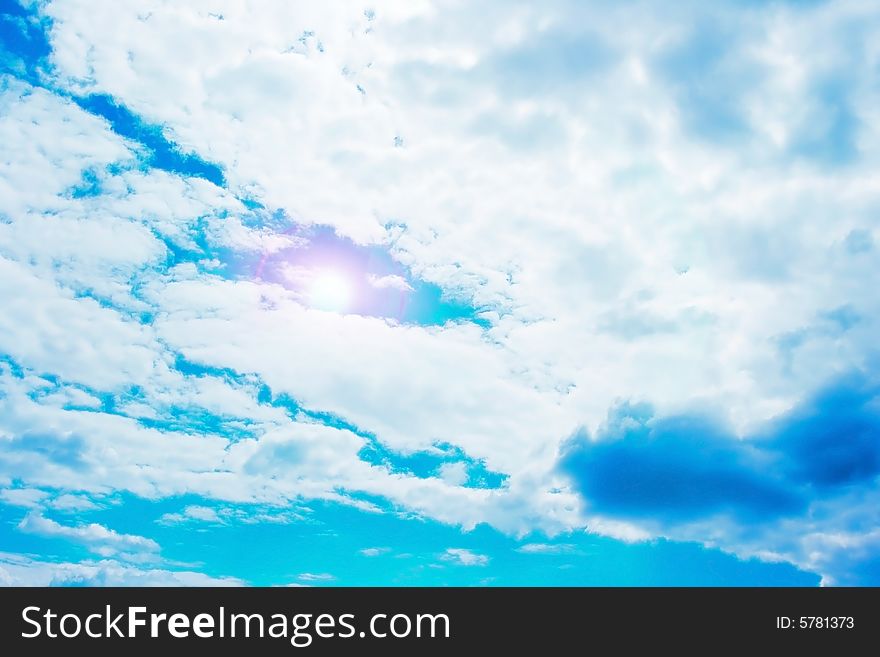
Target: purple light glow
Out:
[333,274]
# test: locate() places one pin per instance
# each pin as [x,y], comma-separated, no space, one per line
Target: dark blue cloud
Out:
[682,468]
[675,468]
[832,440]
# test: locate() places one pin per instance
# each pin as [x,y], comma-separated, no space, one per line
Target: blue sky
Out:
[566,293]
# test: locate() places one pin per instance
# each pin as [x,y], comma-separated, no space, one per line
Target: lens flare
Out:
[330,291]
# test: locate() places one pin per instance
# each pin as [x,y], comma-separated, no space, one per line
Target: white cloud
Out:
[390,281]
[546,548]
[588,252]
[73,503]
[463,557]
[375,551]
[18,570]
[454,473]
[70,396]
[26,497]
[95,537]
[191,512]
[316,577]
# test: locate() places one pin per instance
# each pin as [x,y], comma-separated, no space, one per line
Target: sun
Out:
[330,290]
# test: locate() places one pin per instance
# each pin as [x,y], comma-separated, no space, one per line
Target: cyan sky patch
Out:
[23,43]
[443,460]
[161,152]
[348,547]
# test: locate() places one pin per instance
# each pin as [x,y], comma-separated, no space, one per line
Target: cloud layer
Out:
[608,267]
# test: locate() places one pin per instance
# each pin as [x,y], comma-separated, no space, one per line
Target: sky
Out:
[439,293]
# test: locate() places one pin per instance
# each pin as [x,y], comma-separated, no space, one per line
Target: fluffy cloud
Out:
[375,551]
[191,512]
[16,570]
[463,557]
[546,548]
[95,537]
[316,577]
[390,281]
[26,497]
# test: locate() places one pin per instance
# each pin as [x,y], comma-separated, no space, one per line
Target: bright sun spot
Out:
[330,291]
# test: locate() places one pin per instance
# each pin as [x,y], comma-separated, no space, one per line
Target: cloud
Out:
[546,548]
[833,440]
[463,557]
[678,468]
[68,502]
[375,551]
[455,473]
[688,466]
[17,570]
[680,475]
[391,281]
[316,577]
[95,537]
[26,497]
[191,512]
